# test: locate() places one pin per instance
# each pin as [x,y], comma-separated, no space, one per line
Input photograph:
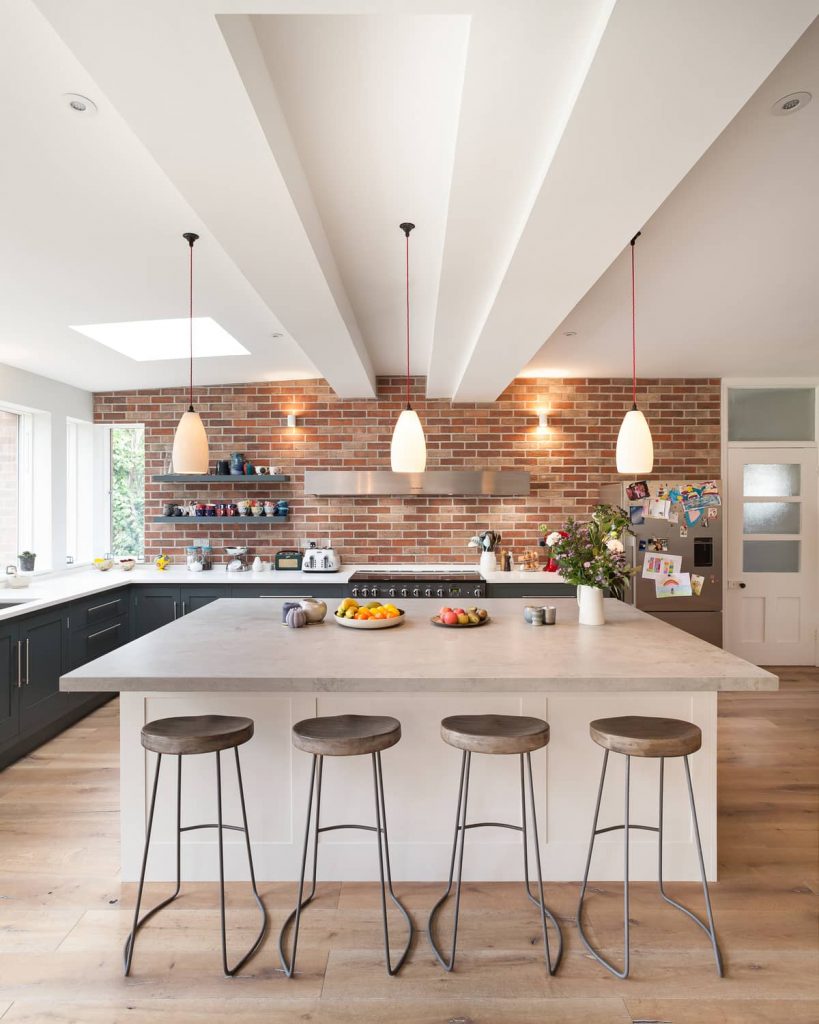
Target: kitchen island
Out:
[235,657]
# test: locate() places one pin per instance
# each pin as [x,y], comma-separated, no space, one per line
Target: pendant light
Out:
[635,449]
[408,451]
[190,443]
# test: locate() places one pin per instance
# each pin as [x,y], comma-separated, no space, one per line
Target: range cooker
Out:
[415,583]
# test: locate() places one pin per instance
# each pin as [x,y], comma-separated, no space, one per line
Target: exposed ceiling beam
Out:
[666,80]
[157,56]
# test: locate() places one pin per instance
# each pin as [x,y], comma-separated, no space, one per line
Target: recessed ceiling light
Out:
[569,334]
[277,334]
[147,340]
[791,103]
[80,104]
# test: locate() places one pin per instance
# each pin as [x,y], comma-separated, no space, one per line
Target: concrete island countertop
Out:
[51,588]
[240,645]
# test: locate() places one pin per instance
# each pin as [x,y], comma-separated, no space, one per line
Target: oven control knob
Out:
[404,592]
[364,592]
[477,591]
[416,592]
[373,591]
[355,591]
[440,591]
[391,591]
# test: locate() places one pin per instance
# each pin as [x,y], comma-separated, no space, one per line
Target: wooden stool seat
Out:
[346,735]
[196,734]
[642,736]
[495,734]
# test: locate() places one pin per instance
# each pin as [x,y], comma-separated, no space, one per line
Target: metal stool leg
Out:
[295,915]
[595,832]
[128,950]
[231,971]
[709,928]
[460,832]
[384,858]
[539,903]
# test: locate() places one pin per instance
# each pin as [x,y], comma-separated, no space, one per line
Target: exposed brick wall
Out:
[568,465]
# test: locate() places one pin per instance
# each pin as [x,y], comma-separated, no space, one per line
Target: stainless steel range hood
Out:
[367,483]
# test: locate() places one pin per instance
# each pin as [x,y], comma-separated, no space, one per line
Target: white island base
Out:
[420,780]
[236,658]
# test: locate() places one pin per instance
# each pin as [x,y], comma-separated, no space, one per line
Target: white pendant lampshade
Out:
[190,445]
[408,451]
[635,449]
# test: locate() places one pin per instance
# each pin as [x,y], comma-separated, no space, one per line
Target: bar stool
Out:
[346,736]
[639,736]
[200,734]
[495,734]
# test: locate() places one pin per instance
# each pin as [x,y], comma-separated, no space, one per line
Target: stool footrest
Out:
[619,828]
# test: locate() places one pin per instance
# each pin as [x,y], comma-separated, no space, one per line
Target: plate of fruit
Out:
[372,615]
[459,618]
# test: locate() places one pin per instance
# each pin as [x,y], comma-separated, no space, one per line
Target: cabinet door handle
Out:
[174,609]
[102,632]
[19,664]
[184,607]
[99,607]
[28,661]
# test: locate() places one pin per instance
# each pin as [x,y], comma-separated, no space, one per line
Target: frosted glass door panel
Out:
[770,556]
[771,480]
[771,414]
[771,517]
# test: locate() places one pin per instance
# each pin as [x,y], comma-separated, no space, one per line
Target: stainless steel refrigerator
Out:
[701,552]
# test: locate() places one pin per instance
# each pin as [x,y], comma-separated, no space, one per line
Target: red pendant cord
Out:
[190,322]
[633,335]
[408,323]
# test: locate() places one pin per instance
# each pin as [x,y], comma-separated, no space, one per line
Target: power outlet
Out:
[314,542]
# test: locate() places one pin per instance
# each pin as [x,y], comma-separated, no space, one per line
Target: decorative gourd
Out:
[296,618]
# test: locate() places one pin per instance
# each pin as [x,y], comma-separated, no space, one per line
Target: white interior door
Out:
[771,530]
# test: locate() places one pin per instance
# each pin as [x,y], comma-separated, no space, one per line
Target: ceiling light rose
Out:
[635,448]
[408,451]
[190,443]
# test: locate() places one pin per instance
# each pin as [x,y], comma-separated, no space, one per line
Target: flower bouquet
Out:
[592,557]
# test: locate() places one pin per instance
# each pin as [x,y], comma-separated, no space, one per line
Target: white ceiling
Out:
[727,267]
[527,139]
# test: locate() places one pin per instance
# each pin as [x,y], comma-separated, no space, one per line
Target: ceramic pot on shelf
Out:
[590,606]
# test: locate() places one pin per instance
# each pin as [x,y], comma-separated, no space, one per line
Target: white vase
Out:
[488,562]
[590,605]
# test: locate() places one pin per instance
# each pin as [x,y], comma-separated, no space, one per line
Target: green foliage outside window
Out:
[128,491]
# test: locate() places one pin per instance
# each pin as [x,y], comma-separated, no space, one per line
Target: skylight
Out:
[146,340]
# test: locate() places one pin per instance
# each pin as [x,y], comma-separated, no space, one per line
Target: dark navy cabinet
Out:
[44,657]
[155,606]
[197,595]
[10,669]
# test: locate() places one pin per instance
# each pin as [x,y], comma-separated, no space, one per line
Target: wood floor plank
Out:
[724,1011]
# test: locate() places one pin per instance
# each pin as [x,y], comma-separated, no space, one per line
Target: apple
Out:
[459,611]
[449,618]
[444,610]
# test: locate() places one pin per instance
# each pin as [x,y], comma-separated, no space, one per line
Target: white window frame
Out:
[109,486]
[25,478]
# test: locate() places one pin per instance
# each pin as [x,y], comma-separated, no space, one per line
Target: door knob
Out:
[736,585]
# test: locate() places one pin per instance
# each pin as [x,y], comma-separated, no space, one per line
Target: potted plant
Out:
[592,556]
[26,560]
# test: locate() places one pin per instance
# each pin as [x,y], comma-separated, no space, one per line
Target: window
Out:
[15,485]
[80,508]
[128,491]
[771,414]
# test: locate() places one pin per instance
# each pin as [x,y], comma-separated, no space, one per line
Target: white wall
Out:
[52,403]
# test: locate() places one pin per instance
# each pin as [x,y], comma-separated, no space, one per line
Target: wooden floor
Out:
[63,913]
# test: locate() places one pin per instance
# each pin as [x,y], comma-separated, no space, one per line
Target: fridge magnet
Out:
[642,544]
[693,516]
[675,585]
[705,522]
[658,566]
[673,516]
[655,544]
[696,584]
[636,514]
[637,491]
[713,512]
[658,508]
[683,531]
[702,495]
[663,490]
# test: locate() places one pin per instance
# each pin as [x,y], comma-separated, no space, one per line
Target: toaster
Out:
[320,560]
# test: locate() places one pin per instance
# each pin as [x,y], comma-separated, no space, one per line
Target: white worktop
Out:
[48,589]
[241,645]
